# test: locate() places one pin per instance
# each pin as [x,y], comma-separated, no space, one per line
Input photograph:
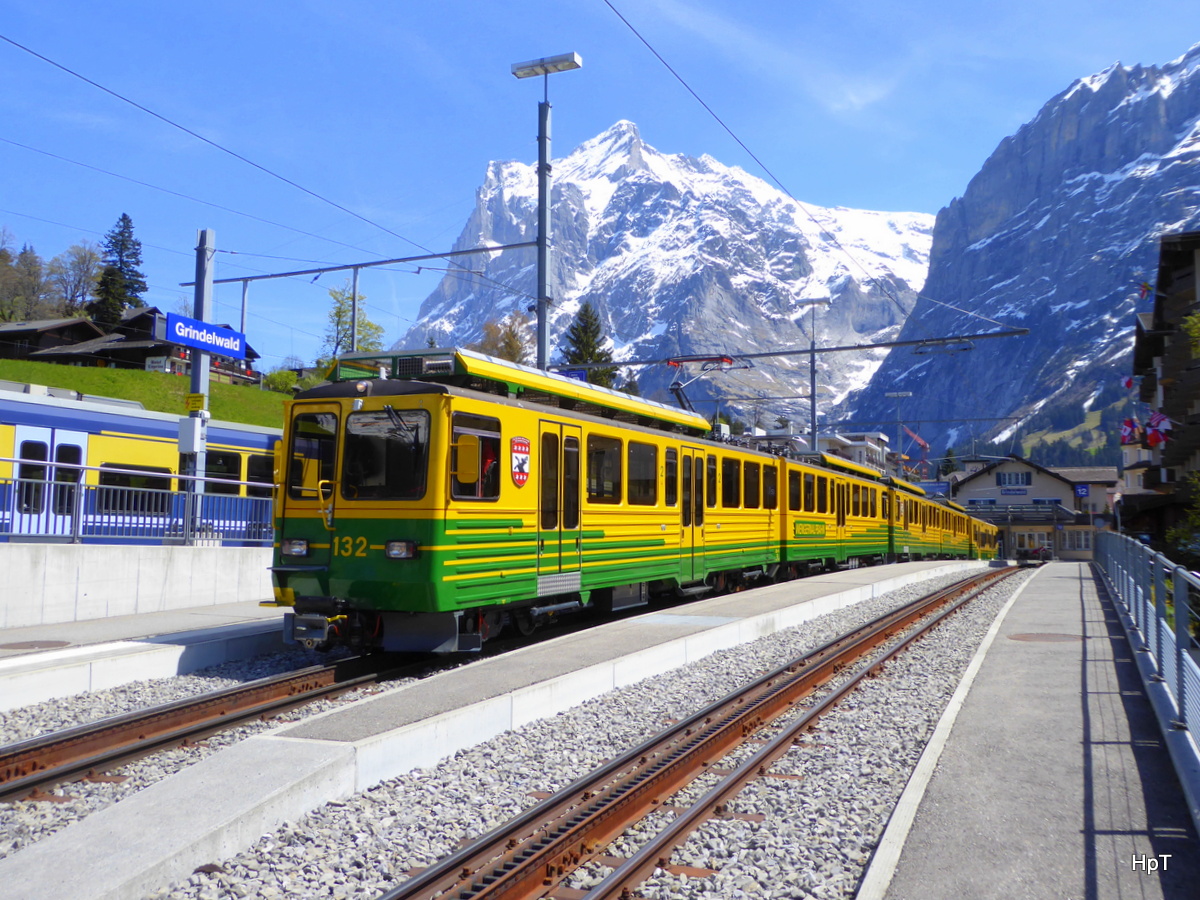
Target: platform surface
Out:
[1054,781]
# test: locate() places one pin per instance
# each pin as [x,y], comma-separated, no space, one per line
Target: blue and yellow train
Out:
[431,498]
[99,470]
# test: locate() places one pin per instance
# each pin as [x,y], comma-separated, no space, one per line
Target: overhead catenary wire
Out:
[238,156]
[832,238]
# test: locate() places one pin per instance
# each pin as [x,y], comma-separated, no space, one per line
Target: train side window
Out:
[570,483]
[314,448]
[671,487]
[487,485]
[224,466]
[260,469]
[885,505]
[750,479]
[810,492]
[794,498]
[822,494]
[874,503]
[549,481]
[687,490]
[68,458]
[133,489]
[855,506]
[32,474]
[770,488]
[731,482]
[386,453]
[643,474]
[603,469]
[711,483]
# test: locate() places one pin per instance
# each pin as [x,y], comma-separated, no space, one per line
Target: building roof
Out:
[1017,459]
[44,325]
[1088,474]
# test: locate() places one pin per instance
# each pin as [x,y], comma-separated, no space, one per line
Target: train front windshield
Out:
[385,455]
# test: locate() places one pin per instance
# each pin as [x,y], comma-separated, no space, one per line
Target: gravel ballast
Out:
[817,836]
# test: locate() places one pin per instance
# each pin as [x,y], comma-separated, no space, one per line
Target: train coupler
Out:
[307,629]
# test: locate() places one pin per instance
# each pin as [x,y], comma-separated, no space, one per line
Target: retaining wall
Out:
[47,584]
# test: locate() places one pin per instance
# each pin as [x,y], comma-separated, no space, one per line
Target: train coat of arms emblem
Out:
[520,460]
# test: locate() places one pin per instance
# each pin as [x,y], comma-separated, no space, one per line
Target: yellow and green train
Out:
[431,498]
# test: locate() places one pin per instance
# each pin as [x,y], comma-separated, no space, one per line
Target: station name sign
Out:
[205,336]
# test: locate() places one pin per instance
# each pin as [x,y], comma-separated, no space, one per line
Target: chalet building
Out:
[1166,359]
[136,343]
[19,340]
[1040,511]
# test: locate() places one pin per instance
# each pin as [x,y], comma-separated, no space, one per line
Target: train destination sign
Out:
[205,336]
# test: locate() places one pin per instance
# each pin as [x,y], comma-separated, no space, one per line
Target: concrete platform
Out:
[1050,778]
[41,662]
[223,804]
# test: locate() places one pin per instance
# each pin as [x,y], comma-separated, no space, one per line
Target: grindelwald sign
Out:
[205,336]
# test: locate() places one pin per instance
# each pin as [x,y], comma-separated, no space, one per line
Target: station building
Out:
[1041,512]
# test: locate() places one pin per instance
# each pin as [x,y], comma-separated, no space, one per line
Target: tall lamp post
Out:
[544,67]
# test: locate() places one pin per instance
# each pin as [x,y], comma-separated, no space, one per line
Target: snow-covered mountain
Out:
[1054,234]
[686,256]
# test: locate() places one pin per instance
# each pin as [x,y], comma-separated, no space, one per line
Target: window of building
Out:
[1014,479]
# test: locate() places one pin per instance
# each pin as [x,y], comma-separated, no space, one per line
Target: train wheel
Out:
[523,621]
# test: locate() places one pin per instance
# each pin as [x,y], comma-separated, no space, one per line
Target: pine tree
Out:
[123,252]
[106,309]
[585,344]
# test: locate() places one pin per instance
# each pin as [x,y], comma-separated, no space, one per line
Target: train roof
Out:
[467,368]
[105,413]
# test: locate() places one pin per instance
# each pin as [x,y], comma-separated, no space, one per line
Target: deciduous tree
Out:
[74,275]
[341,315]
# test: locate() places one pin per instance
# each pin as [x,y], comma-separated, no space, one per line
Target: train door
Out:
[691,512]
[310,475]
[841,505]
[560,535]
[46,499]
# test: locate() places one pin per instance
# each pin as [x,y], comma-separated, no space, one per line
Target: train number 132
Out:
[350,546]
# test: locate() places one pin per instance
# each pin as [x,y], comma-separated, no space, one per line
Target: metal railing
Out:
[1162,601]
[60,507]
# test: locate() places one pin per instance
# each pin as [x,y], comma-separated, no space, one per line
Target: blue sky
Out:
[393,110]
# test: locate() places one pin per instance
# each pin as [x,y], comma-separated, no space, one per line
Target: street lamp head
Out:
[564,62]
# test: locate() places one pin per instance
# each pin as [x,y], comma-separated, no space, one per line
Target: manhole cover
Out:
[35,645]
[1046,637]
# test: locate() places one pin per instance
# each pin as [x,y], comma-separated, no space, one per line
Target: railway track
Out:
[28,769]
[536,853]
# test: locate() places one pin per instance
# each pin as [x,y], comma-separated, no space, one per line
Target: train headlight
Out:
[400,549]
[294,547]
